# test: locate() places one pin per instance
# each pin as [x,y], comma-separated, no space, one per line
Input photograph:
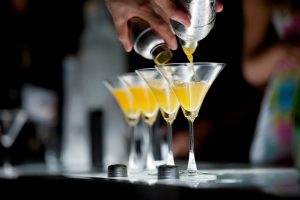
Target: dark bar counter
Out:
[233,181]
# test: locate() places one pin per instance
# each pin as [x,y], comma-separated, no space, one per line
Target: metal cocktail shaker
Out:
[147,43]
[203,14]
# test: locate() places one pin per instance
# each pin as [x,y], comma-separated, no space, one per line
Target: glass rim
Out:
[109,82]
[132,75]
[127,74]
[10,111]
[110,79]
[146,69]
[189,64]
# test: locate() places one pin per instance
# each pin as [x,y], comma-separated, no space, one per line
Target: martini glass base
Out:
[151,172]
[9,171]
[154,171]
[197,175]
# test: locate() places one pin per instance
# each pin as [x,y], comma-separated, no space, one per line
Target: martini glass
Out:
[167,100]
[190,83]
[131,112]
[11,124]
[149,107]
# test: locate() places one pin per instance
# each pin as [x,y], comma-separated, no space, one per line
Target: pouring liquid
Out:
[189,51]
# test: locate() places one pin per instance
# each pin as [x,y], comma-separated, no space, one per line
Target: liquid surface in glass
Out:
[191,95]
[147,102]
[128,105]
[167,100]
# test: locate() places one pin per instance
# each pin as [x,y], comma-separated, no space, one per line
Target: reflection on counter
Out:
[279,181]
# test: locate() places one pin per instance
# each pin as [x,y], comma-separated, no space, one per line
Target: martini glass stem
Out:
[170,158]
[8,168]
[6,159]
[192,162]
[132,162]
[150,158]
[132,137]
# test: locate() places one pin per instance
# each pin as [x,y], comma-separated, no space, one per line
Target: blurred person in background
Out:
[264,47]
[271,62]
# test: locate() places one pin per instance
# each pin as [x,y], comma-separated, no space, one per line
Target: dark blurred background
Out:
[35,37]
[38,38]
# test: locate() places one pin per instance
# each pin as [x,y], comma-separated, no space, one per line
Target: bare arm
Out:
[258,69]
[258,66]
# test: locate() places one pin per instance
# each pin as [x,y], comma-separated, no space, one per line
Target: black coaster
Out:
[168,172]
[117,170]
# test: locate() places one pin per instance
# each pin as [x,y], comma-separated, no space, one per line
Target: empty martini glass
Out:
[11,124]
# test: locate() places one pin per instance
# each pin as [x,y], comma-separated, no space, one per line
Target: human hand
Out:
[155,12]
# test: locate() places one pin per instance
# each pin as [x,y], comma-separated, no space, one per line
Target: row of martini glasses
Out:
[165,88]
